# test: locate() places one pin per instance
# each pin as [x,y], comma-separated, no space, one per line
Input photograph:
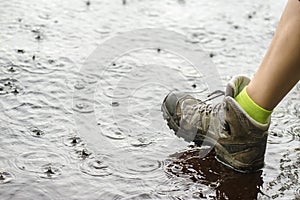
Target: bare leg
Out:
[280,69]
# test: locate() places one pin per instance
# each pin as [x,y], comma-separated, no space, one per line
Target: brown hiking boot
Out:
[239,141]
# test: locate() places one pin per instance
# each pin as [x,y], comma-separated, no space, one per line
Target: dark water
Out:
[49,150]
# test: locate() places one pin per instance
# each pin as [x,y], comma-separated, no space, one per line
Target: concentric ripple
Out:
[141,142]
[83,107]
[114,132]
[277,136]
[96,167]
[294,130]
[133,163]
[44,164]
[297,193]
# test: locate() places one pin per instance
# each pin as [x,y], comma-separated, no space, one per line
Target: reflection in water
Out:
[227,183]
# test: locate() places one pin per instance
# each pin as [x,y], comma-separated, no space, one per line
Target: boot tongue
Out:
[236,85]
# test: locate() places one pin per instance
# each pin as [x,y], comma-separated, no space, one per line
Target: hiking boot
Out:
[239,141]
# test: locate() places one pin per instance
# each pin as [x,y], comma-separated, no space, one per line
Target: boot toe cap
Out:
[171,101]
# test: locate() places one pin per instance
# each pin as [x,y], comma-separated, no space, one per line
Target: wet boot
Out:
[239,140]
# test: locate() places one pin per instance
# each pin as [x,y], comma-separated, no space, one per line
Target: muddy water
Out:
[128,153]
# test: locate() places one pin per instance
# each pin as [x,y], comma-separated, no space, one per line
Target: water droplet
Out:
[36,132]
[8,83]
[114,132]
[10,86]
[83,153]
[20,51]
[83,107]
[79,86]
[50,171]
[12,68]
[51,61]
[95,167]
[5,177]
[73,141]
[141,142]
[15,91]
[38,37]
[115,103]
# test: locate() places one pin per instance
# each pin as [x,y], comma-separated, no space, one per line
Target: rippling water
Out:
[128,153]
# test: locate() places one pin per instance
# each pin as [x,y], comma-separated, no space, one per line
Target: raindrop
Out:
[11,68]
[141,142]
[20,51]
[115,133]
[10,86]
[79,86]
[15,91]
[83,108]
[5,177]
[38,37]
[50,171]
[73,141]
[8,83]
[36,132]
[51,61]
[84,153]
[95,167]
[115,104]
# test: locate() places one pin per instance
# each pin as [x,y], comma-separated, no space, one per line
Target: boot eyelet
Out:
[226,128]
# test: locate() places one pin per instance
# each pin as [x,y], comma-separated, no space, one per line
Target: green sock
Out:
[255,111]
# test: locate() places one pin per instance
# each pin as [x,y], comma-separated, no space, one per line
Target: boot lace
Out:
[206,108]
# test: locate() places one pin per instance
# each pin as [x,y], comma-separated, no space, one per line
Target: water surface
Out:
[134,155]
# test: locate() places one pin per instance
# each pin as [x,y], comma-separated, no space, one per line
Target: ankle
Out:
[254,110]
